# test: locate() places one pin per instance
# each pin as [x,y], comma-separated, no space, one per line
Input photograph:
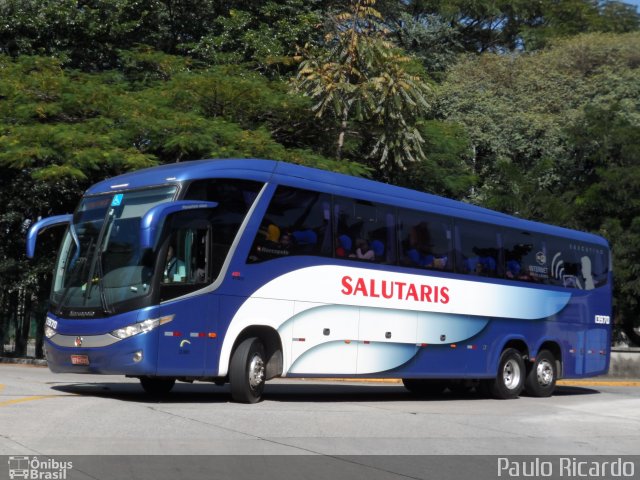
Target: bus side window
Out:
[577,265]
[296,223]
[478,251]
[235,198]
[525,257]
[364,230]
[425,240]
[187,258]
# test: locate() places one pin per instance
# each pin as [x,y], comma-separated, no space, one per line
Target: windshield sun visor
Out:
[152,220]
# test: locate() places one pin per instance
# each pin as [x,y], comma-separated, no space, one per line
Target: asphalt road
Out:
[42,413]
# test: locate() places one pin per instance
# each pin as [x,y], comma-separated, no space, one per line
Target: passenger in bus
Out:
[420,260]
[419,251]
[174,270]
[440,262]
[485,266]
[273,243]
[513,269]
[363,250]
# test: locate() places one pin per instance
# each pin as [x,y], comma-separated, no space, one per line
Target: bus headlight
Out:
[50,326]
[48,331]
[141,327]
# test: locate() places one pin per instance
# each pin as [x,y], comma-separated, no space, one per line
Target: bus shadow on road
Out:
[571,390]
[289,393]
[132,392]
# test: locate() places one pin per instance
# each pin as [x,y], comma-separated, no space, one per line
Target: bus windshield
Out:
[100,262]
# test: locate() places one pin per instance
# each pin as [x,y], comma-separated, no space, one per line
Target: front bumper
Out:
[110,356]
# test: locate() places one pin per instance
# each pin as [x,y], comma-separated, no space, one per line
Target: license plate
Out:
[79,359]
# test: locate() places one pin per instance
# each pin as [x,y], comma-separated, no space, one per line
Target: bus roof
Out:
[330,182]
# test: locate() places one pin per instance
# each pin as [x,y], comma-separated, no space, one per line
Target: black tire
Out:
[541,379]
[425,387]
[509,381]
[247,371]
[157,386]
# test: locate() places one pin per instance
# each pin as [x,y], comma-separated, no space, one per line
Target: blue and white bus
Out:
[240,271]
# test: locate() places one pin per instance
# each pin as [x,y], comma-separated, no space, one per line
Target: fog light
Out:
[137,357]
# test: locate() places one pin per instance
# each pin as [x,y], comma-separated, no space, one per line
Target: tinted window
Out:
[525,257]
[187,257]
[425,240]
[577,265]
[234,198]
[296,223]
[364,230]
[478,251]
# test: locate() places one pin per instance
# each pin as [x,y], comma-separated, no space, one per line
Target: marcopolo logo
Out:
[36,469]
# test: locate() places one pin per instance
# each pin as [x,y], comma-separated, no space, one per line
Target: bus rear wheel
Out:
[541,379]
[427,387]
[509,381]
[247,371]
[157,386]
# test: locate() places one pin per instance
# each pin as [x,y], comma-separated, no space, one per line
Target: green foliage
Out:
[556,137]
[267,35]
[432,40]
[360,75]
[446,169]
[606,188]
[507,25]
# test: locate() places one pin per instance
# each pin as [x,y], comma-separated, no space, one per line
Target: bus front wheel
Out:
[509,381]
[541,380]
[157,386]
[247,371]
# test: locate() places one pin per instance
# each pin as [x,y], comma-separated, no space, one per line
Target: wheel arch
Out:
[516,342]
[272,343]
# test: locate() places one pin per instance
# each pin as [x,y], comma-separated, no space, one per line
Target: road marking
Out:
[6,403]
[599,383]
[562,383]
[1,387]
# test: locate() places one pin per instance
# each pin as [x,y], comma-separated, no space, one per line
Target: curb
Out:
[38,362]
[595,382]
[588,382]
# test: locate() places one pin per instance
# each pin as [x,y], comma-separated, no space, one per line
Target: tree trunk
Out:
[343,129]
[4,324]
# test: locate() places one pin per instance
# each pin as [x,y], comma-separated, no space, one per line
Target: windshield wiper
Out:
[96,264]
[78,269]
[101,290]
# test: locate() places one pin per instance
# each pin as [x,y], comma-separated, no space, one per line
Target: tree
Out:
[361,75]
[606,187]
[555,136]
[508,25]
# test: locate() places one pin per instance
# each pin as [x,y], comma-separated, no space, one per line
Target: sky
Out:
[633,2]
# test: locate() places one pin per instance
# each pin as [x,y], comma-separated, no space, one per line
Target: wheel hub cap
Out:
[256,371]
[511,374]
[544,372]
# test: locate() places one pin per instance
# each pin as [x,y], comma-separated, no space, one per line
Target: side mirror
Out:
[152,220]
[42,225]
